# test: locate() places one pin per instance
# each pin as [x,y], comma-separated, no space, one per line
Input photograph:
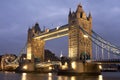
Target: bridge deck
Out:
[53,33]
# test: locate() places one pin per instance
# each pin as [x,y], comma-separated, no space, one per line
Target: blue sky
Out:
[16,16]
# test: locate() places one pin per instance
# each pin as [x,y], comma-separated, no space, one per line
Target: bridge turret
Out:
[79,8]
[80,12]
[78,44]
[74,17]
[35,47]
[36,29]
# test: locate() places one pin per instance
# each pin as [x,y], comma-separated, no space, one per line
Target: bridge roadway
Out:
[53,33]
[111,61]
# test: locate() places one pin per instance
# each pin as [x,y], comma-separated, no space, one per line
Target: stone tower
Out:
[80,45]
[35,47]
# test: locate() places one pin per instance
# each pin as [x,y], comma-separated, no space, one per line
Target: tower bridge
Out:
[81,39]
[78,44]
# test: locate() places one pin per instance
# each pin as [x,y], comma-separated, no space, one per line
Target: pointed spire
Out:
[29,28]
[36,27]
[79,8]
[79,5]
[89,16]
[61,55]
[36,24]
[70,12]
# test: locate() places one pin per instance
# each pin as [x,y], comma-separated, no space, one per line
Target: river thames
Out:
[50,76]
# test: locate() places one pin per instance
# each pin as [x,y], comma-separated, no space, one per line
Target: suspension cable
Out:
[102,52]
[96,52]
[98,41]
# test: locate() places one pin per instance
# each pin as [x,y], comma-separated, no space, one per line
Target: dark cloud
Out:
[16,16]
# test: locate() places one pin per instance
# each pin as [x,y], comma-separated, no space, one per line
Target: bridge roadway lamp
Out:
[85,36]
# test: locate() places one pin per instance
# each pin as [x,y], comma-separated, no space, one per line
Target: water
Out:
[50,76]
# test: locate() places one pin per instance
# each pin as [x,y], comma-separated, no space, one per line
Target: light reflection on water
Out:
[80,77]
[100,77]
[24,75]
[51,76]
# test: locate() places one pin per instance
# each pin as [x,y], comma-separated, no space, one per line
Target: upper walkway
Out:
[57,32]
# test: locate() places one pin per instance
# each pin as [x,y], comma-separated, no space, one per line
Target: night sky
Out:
[16,16]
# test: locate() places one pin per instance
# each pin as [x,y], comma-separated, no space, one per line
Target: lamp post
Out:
[85,36]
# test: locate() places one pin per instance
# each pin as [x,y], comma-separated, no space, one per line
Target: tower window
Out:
[81,15]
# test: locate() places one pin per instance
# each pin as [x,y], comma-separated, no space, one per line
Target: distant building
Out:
[0,61]
[50,56]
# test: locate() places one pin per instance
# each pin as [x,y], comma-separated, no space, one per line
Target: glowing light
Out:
[24,74]
[57,28]
[25,67]
[49,74]
[74,65]
[65,66]
[72,54]
[29,56]
[24,58]
[55,32]
[100,67]
[47,30]
[48,60]
[100,77]
[85,36]
[50,68]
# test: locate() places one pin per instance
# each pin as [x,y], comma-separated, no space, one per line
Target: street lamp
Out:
[85,36]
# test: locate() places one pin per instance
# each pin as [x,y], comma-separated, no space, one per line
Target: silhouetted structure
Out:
[50,56]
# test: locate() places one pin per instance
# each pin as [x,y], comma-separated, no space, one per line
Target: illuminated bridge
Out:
[57,32]
[86,48]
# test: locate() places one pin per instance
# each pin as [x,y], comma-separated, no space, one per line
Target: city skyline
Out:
[18,16]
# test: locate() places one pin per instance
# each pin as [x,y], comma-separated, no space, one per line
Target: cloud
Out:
[18,15]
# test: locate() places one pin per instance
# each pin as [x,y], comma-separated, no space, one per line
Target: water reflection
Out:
[63,78]
[51,76]
[24,76]
[100,77]
[73,78]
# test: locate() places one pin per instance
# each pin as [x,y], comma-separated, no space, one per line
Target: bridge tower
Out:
[79,44]
[35,47]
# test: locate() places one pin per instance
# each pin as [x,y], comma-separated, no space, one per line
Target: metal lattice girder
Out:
[98,40]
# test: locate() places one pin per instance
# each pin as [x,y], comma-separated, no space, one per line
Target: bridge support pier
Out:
[80,68]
